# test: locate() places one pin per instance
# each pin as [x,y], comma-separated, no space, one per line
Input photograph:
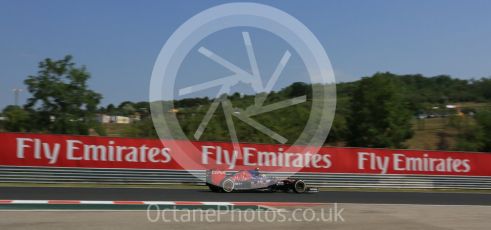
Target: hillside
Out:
[383,110]
[441,127]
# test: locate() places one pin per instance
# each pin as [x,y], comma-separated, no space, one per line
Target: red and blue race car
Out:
[219,181]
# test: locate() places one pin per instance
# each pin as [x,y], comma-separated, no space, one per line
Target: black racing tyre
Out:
[228,185]
[299,186]
[214,188]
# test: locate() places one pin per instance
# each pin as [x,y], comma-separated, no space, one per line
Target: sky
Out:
[118,41]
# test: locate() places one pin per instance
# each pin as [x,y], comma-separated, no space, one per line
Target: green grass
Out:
[433,190]
[99,185]
[115,130]
[475,105]
[202,187]
[426,133]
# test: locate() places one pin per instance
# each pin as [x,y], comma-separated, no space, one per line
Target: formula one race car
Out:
[219,181]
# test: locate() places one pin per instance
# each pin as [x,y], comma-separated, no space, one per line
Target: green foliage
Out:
[484,122]
[143,128]
[18,119]
[442,141]
[442,89]
[338,130]
[290,126]
[99,129]
[372,112]
[61,101]
[379,116]
[127,108]
[483,89]
[476,137]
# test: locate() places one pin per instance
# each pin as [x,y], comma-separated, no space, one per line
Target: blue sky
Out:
[119,41]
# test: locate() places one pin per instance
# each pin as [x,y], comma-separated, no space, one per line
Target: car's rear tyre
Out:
[228,185]
[299,186]
[214,188]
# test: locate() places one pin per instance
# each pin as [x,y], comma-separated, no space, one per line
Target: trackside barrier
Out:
[48,175]
[50,158]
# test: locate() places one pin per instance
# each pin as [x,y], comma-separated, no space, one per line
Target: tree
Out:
[126,108]
[483,87]
[143,108]
[337,131]
[484,122]
[61,100]
[442,141]
[476,137]
[379,116]
[111,110]
[298,89]
[17,119]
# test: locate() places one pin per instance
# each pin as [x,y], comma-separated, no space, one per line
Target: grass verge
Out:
[427,190]
[100,185]
[202,187]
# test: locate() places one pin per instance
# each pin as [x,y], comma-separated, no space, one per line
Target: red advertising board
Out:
[19,149]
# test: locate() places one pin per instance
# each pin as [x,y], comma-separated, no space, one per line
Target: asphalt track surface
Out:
[147,194]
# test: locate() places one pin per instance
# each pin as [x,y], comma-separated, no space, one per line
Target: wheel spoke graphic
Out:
[230,80]
[213,107]
[259,100]
[261,128]
[241,75]
[237,70]
[257,84]
[189,37]
[207,118]
[252,111]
